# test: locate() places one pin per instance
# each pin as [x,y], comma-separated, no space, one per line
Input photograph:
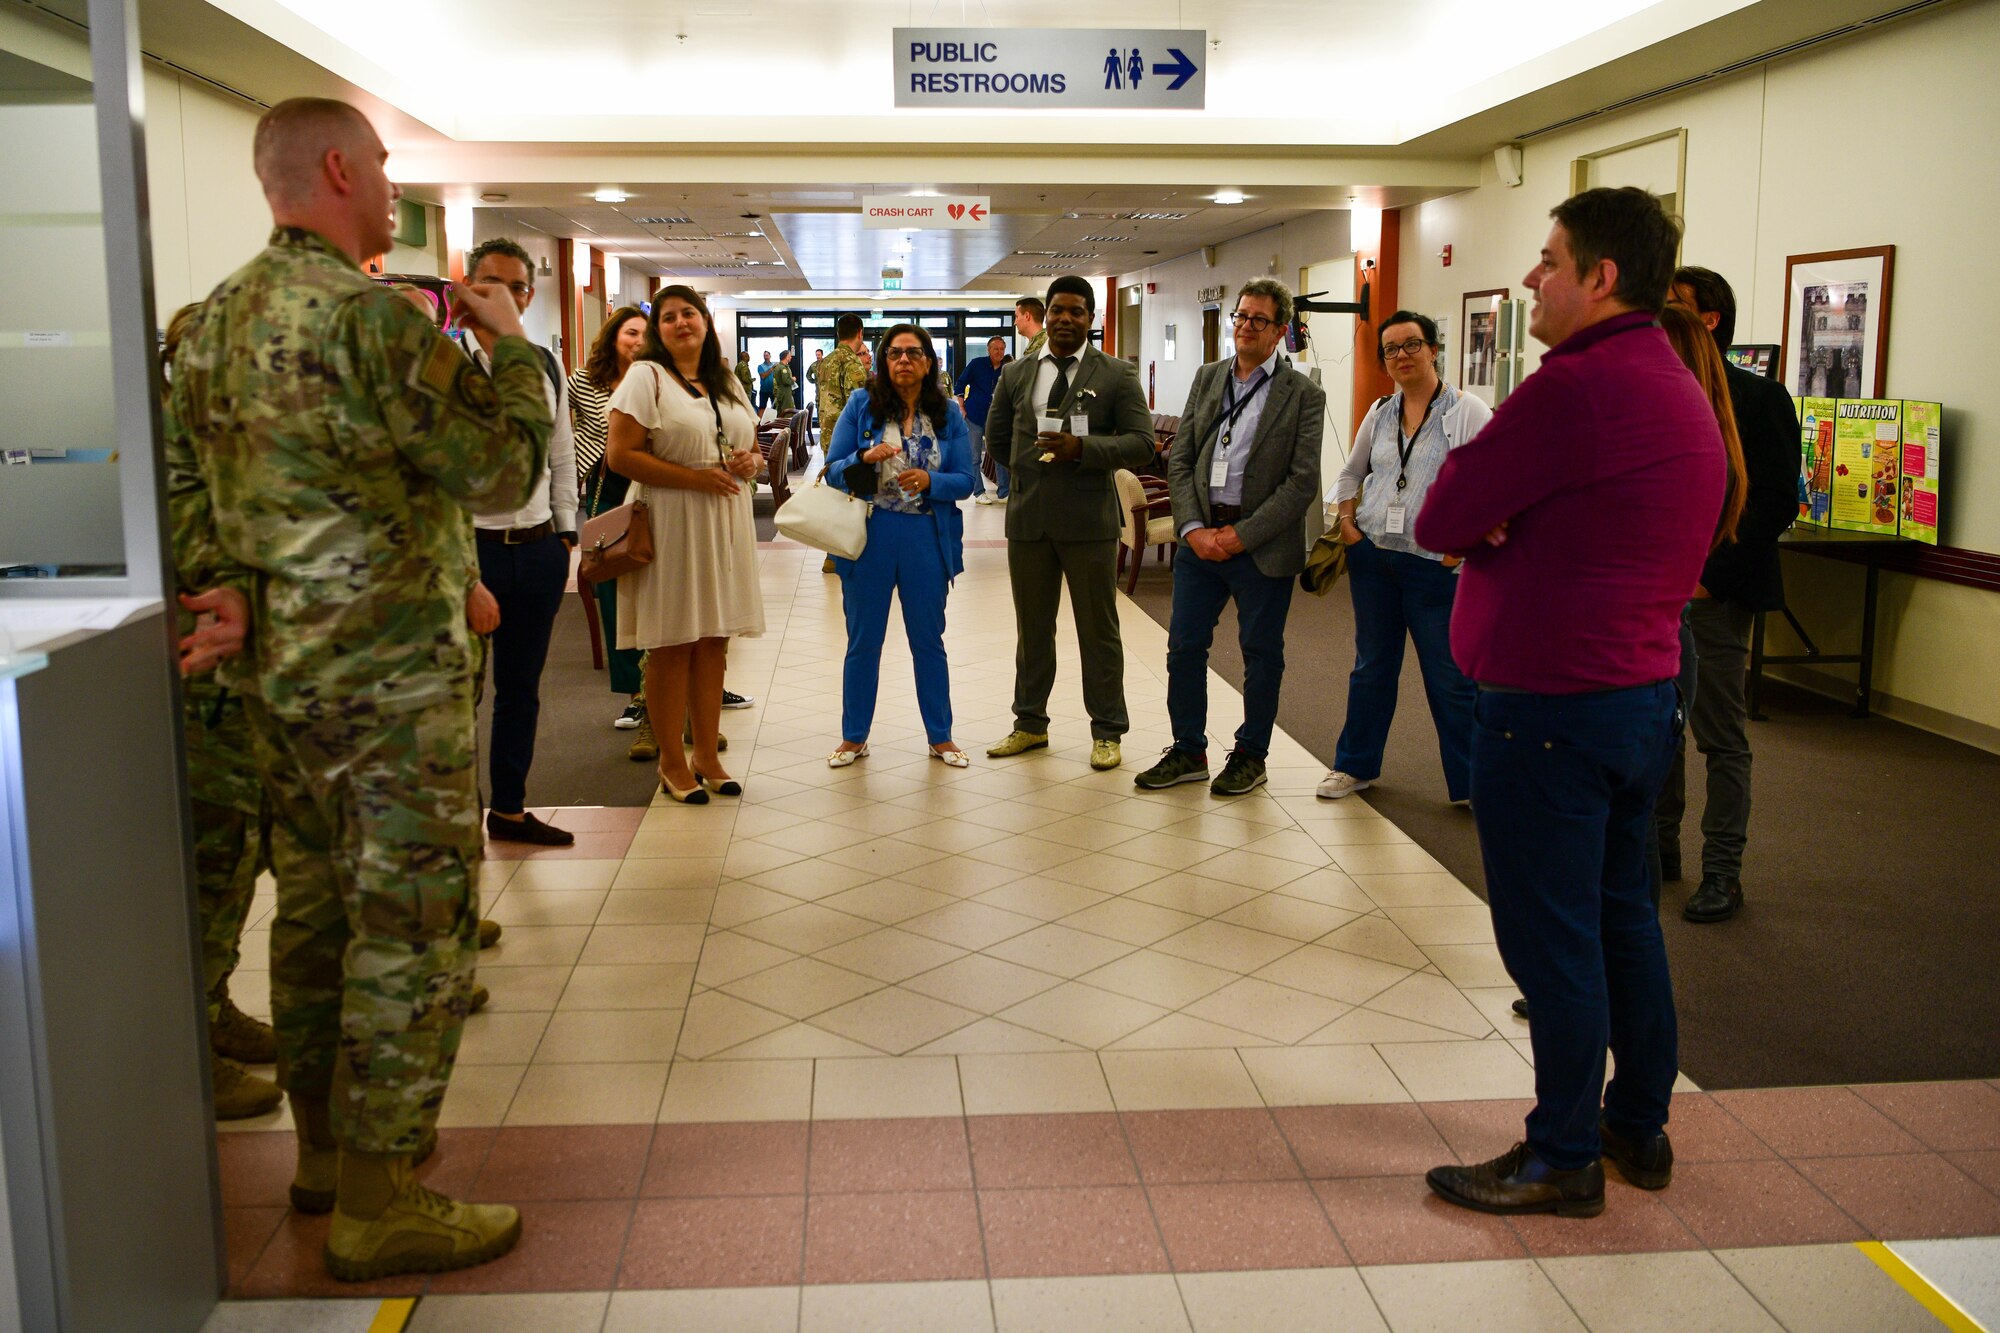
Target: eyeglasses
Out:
[1254,323]
[903,353]
[518,288]
[1413,347]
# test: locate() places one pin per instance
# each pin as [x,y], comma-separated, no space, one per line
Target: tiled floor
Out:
[1017,1045]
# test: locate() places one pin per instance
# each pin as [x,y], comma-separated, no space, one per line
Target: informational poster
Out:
[1922,445]
[1867,464]
[1815,460]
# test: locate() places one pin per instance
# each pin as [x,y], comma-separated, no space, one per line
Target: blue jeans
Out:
[901,557]
[1397,594]
[977,431]
[1563,789]
[1263,602]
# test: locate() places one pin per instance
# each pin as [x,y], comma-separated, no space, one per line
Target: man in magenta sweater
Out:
[1584,511]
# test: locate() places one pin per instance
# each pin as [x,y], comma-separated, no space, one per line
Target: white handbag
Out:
[826,519]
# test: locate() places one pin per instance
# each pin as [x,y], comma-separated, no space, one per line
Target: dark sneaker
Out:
[634,714]
[1647,1163]
[1241,773]
[526,829]
[731,699]
[1176,765]
[1517,1181]
[1718,899]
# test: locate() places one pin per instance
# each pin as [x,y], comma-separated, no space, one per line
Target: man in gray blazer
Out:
[1244,472]
[1062,423]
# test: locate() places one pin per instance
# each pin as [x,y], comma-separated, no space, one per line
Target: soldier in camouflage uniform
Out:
[782,384]
[748,380]
[841,372]
[1029,314]
[324,440]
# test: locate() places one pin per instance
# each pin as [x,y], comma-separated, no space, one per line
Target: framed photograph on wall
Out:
[1836,342]
[1479,342]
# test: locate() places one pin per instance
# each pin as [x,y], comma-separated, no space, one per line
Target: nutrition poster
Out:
[1867,463]
[1922,428]
[1815,460]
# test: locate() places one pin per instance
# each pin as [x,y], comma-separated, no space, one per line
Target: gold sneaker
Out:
[1017,742]
[414,1230]
[240,1094]
[489,933]
[241,1037]
[1104,754]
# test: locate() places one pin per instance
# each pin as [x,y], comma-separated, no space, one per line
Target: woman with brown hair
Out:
[1695,346]
[680,427]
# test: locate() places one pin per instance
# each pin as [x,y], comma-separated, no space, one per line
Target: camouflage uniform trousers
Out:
[232,832]
[376,846]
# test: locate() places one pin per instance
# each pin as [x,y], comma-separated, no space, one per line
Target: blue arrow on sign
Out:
[1183,69]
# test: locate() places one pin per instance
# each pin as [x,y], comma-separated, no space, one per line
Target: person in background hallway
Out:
[1584,512]
[782,399]
[314,410]
[1244,472]
[1401,590]
[1029,316]
[1740,579]
[680,429]
[901,441]
[747,378]
[764,373]
[601,490]
[844,371]
[1063,524]
[232,846]
[523,565]
[976,391]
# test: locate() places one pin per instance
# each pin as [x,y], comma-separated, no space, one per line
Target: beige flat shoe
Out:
[843,758]
[952,758]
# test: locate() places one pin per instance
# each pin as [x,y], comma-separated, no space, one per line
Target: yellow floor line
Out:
[395,1312]
[1919,1287]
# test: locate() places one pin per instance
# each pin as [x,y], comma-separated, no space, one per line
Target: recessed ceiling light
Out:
[1228,196]
[494,197]
[611,194]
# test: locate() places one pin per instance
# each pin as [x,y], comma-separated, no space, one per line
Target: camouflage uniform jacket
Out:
[322,440]
[748,380]
[840,374]
[1034,347]
[781,389]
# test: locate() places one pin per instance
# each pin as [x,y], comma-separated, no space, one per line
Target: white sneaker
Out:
[984,499]
[1338,784]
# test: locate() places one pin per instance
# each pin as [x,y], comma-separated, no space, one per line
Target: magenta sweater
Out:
[1608,469]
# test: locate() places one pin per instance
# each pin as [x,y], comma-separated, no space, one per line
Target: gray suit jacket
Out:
[1077,501]
[1281,484]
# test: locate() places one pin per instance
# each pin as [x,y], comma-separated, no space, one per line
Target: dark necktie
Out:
[1060,389]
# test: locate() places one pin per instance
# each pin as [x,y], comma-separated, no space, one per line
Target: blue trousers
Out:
[902,558]
[1398,594]
[977,432]
[1563,789]
[1201,588]
[528,581]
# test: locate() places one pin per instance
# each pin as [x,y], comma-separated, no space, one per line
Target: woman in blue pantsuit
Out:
[901,442]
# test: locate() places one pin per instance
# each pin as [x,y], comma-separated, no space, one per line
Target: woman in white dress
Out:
[681,429]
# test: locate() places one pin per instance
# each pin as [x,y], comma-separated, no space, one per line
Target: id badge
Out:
[1397,514]
[1218,470]
[1079,425]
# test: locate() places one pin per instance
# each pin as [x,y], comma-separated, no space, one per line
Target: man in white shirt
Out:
[523,569]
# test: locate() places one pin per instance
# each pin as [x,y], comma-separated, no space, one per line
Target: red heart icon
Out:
[957,211]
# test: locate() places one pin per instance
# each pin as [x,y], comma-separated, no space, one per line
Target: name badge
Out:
[1079,425]
[1218,470]
[1397,515]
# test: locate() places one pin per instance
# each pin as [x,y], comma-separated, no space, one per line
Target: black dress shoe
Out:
[1521,1006]
[527,829]
[1647,1163]
[1718,899]
[1670,868]
[1517,1181]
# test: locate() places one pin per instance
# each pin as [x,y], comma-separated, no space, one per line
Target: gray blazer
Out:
[1077,501]
[1281,484]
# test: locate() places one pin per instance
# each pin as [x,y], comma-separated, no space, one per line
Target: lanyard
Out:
[1233,407]
[721,435]
[1405,446]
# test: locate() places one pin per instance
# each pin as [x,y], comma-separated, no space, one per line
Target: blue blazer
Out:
[854,434]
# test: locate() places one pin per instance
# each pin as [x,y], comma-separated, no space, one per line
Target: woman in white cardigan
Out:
[1401,590]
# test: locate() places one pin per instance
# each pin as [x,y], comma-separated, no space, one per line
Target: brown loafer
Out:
[1517,1181]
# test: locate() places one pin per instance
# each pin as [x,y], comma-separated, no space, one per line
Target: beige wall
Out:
[1840,147]
[208,214]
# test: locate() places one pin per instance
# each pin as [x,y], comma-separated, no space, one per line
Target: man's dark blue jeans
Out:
[528,581]
[1563,789]
[1263,602]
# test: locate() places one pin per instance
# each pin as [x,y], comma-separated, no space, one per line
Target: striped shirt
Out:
[590,418]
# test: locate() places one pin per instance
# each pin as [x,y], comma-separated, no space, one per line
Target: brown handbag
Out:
[616,542]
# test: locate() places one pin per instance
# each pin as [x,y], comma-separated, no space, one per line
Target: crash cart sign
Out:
[947,212]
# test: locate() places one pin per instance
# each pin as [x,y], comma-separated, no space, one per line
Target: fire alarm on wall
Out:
[1152,288]
[1445,255]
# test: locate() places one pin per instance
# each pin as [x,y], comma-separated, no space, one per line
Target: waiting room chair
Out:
[1148,520]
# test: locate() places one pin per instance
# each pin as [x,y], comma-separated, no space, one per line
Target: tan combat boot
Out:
[318,1171]
[240,1094]
[386,1223]
[645,747]
[241,1037]
[489,933]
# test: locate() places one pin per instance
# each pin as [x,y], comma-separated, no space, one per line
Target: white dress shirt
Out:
[554,496]
[1241,435]
[1046,371]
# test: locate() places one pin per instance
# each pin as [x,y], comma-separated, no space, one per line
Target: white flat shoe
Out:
[843,758]
[952,758]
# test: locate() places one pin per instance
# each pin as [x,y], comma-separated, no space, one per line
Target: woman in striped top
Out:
[601,489]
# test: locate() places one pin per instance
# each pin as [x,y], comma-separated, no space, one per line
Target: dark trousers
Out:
[1563,789]
[1038,570]
[623,662]
[1397,594]
[528,581]
[1718,717]
[1201,589]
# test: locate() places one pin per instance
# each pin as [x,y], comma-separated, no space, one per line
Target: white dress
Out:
[702,583]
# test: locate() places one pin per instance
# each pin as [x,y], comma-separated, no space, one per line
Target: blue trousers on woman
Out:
[901,558]
[1397,594]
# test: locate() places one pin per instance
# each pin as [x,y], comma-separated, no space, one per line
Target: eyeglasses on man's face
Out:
[1414,347]
[903,353]
[1254,323]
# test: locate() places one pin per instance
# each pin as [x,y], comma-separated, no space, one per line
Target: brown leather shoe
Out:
[1517,1181]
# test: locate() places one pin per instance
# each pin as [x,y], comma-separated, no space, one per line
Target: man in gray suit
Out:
[1244,472]
[1063,422]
